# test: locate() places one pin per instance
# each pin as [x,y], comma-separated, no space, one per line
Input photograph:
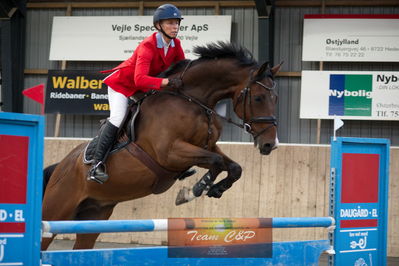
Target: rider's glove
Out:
[175,83]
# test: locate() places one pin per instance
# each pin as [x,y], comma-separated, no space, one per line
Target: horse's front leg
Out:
[218,162]
[234,171]
[204,184]
[186,154]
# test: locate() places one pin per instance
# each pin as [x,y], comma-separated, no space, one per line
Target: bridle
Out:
[246,96]
[245,93]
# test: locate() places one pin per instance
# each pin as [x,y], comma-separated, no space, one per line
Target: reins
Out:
[185,69]
[244,125]
[209,111]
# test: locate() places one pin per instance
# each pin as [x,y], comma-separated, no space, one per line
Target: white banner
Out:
[366,95]
[351,38]
[115,38]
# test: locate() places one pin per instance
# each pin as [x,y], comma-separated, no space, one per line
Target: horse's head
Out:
[256,105]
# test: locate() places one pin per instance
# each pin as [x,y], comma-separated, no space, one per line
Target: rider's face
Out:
[170,26]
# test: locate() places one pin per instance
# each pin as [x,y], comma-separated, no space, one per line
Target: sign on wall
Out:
[353,95]
[114,38]
[351,38]
[76,92]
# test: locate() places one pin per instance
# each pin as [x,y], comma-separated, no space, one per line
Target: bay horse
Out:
[177,130]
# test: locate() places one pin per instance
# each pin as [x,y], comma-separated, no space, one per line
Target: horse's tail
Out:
[47,172]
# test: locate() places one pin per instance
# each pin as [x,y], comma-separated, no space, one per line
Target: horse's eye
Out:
[258,99]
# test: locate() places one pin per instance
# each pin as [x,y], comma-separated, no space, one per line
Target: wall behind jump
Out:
[292,182]
[287,41]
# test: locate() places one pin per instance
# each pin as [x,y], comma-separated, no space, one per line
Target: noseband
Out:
[247,124]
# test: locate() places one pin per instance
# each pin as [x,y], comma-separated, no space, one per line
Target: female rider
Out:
[138,73]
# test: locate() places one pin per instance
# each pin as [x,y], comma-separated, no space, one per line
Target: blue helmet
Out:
[166,11]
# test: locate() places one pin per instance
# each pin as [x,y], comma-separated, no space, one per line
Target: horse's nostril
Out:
[266,149]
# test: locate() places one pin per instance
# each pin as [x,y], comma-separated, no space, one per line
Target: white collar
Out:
[161,43]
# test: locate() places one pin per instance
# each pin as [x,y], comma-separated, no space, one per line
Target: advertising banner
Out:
[21,179]
[76,92]
[359,185]
[351,38]
[352,95]
[114,38]
[220,238]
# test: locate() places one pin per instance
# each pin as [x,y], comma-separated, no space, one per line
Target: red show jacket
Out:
[140,70]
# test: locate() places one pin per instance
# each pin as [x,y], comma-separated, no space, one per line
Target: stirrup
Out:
[92,174]
[96,179]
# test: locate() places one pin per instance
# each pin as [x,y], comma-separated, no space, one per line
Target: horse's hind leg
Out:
[46,242]
[56,212]
[91,210]
[53,210]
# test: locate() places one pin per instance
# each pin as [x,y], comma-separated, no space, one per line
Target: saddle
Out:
[125,135]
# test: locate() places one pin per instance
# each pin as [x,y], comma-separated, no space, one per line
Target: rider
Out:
[138,73]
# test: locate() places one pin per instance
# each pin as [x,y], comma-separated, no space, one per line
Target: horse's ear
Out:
[276,69]
[262,69]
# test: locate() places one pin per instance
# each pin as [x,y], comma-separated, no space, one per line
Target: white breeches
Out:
[118,105]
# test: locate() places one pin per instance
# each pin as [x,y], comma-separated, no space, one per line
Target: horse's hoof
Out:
[185,195]
[215,192]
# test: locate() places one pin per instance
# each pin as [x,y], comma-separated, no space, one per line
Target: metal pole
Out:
[318,133]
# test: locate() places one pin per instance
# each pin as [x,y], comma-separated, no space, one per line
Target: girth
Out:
[165,178]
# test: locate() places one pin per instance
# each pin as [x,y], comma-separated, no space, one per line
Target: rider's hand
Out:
[175,83]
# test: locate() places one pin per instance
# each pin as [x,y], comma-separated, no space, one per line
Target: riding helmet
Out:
[166,11]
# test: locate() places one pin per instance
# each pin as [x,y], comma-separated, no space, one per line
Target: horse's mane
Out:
[225,50]
[213,51]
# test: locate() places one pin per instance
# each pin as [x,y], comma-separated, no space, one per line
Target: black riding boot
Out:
[105,140]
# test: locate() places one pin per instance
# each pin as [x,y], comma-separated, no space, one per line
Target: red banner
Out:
[13,168]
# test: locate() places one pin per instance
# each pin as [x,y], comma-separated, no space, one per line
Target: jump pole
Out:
[113,226]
